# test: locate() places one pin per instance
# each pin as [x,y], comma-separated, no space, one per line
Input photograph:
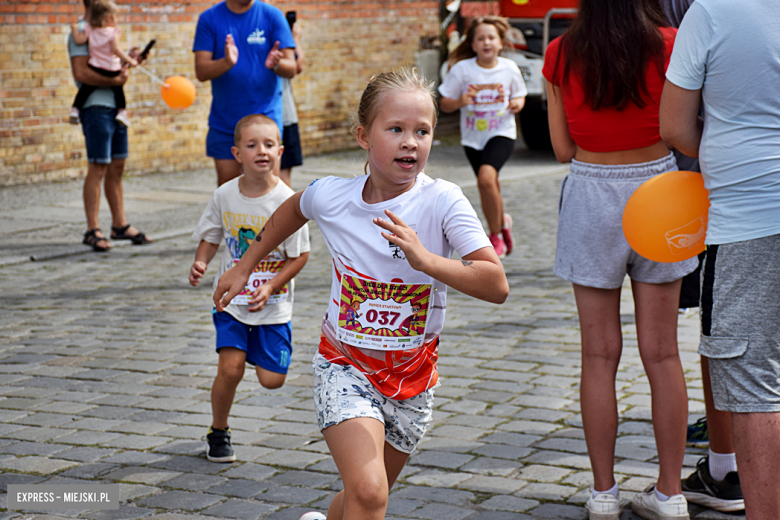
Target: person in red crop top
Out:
[604,82]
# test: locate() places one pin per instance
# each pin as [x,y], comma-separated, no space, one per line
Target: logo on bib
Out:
[257,37]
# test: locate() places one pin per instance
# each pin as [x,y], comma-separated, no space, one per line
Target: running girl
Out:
[489,90]
[373,391]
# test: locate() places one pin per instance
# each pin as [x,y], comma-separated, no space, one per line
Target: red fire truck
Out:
[539,21]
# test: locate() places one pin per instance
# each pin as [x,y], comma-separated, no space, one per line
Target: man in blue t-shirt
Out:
[244,47]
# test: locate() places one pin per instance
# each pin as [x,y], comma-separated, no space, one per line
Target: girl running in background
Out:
[105,55]
[489,90]
[604,83]
[373,391]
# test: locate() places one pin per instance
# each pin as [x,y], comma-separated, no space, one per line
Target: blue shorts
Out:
[105,138]
[218,144]
[266,346]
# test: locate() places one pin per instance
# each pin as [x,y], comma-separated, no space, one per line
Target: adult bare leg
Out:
[602,344]
[91,194]
[719,423]
[230,371]
[367,465]
[116,198]
[227,169]
[757,439]
[656,324]
[115,192]
[490,198]
[286,175]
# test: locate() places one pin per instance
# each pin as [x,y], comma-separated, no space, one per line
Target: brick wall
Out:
[345,42]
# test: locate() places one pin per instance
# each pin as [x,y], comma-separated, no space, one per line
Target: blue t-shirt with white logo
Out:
[249,87]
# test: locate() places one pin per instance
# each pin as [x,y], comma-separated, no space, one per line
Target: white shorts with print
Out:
[342,392]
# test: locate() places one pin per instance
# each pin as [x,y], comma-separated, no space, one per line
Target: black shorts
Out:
[497,151]
[292,154]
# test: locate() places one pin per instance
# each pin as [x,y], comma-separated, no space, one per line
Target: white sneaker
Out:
[604,506]
[74,116]
[121,118]
[647,505]
[313,515]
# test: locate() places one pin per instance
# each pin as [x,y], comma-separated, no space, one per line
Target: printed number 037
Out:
[384,317]
[257,282]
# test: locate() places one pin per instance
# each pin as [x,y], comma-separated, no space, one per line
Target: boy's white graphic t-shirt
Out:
[236,219]
[384,317]
[493,88]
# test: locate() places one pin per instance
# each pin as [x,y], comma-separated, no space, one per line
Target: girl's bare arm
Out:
[452,104]
[480,274]
[563,145]
[117,50]
[286,220]
[79,38]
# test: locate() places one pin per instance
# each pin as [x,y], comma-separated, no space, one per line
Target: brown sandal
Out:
[99,244]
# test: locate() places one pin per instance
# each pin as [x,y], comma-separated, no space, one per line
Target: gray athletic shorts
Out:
[592,250]
[740,324]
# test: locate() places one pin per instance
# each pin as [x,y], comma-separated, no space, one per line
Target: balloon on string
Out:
[178,92]
[665,220]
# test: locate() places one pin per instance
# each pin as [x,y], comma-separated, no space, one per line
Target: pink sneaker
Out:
[498,244]
[506,233]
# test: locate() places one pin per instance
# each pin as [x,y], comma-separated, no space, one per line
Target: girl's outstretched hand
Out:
[230,284]
[404,237]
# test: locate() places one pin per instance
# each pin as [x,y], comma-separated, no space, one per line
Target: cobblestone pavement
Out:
[106,361]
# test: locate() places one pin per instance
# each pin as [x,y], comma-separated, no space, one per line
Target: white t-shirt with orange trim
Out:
[384,317]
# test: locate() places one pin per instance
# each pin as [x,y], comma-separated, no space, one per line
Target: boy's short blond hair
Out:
[254,119]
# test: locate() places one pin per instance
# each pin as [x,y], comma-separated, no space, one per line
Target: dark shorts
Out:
[497,151]
[105,138]
[218,144]
[292,154]
[266,346]
[740,326]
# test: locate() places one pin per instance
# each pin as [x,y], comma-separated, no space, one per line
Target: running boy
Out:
[373,391]
[256,326]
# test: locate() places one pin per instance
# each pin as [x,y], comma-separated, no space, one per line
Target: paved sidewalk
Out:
[106,361]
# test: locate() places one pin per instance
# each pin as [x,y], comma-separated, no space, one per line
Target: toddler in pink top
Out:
[105,55]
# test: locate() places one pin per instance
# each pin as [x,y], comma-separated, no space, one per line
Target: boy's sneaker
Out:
[604,506]
[218,447]
[498,244]
[506,233]
[721,495]
[697,433]
[647,505]
[121,118]
[74,116]
[313,515]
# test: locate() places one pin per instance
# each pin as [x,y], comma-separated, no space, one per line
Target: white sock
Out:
[614,491]
[721,464]
[661,496]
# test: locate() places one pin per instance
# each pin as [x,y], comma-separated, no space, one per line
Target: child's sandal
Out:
[99,244]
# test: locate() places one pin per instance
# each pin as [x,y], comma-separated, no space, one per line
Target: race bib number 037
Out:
[263,272]
[382,316]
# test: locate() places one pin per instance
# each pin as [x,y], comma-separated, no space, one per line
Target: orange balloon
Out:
[180,92]
[665,220]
